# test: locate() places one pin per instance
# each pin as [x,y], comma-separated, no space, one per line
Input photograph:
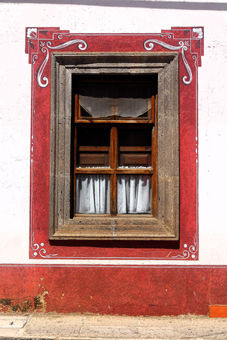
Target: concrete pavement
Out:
[72,326]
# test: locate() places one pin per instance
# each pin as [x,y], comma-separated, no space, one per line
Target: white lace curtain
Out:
[123,100]
[133,194]
[93,194]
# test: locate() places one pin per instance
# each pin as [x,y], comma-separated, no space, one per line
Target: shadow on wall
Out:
[209,6]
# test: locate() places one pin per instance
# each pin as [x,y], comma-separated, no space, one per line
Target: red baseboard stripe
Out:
[218,311]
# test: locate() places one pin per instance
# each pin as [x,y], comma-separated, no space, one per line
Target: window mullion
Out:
[74,163]
[155,158]
[113,165]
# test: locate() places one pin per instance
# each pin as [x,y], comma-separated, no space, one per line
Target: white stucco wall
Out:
[15,73]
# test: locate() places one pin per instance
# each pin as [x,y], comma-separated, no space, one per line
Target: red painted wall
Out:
[109,290]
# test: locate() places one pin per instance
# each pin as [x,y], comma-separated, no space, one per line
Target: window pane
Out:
[134,194]
[107,99]
[135,146]
[93,147]
[95,136]
[92,194]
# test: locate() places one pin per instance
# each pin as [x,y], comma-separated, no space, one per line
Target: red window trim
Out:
[40,43]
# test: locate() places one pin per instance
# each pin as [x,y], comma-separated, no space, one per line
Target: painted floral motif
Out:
[189,252]
[183,46]
[44,47]
[39,249]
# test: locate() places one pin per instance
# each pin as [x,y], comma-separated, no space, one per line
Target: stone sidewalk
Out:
[72,326]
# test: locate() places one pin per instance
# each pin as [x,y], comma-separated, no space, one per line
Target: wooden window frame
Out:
[114,124]
[165,226]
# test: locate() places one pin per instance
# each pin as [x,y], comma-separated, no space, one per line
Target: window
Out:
[114,146]
[115,160]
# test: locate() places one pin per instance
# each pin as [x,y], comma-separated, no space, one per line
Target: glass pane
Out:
[135,147]
[134,194]
[92,194]
[112,99]
[93,136]
[135,137]
[93,147]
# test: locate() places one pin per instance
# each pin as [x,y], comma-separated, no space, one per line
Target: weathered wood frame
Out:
[166,225]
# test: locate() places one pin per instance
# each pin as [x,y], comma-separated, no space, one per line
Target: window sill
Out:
[123,227]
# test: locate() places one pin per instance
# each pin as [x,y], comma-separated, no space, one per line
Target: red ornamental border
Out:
[40,43]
